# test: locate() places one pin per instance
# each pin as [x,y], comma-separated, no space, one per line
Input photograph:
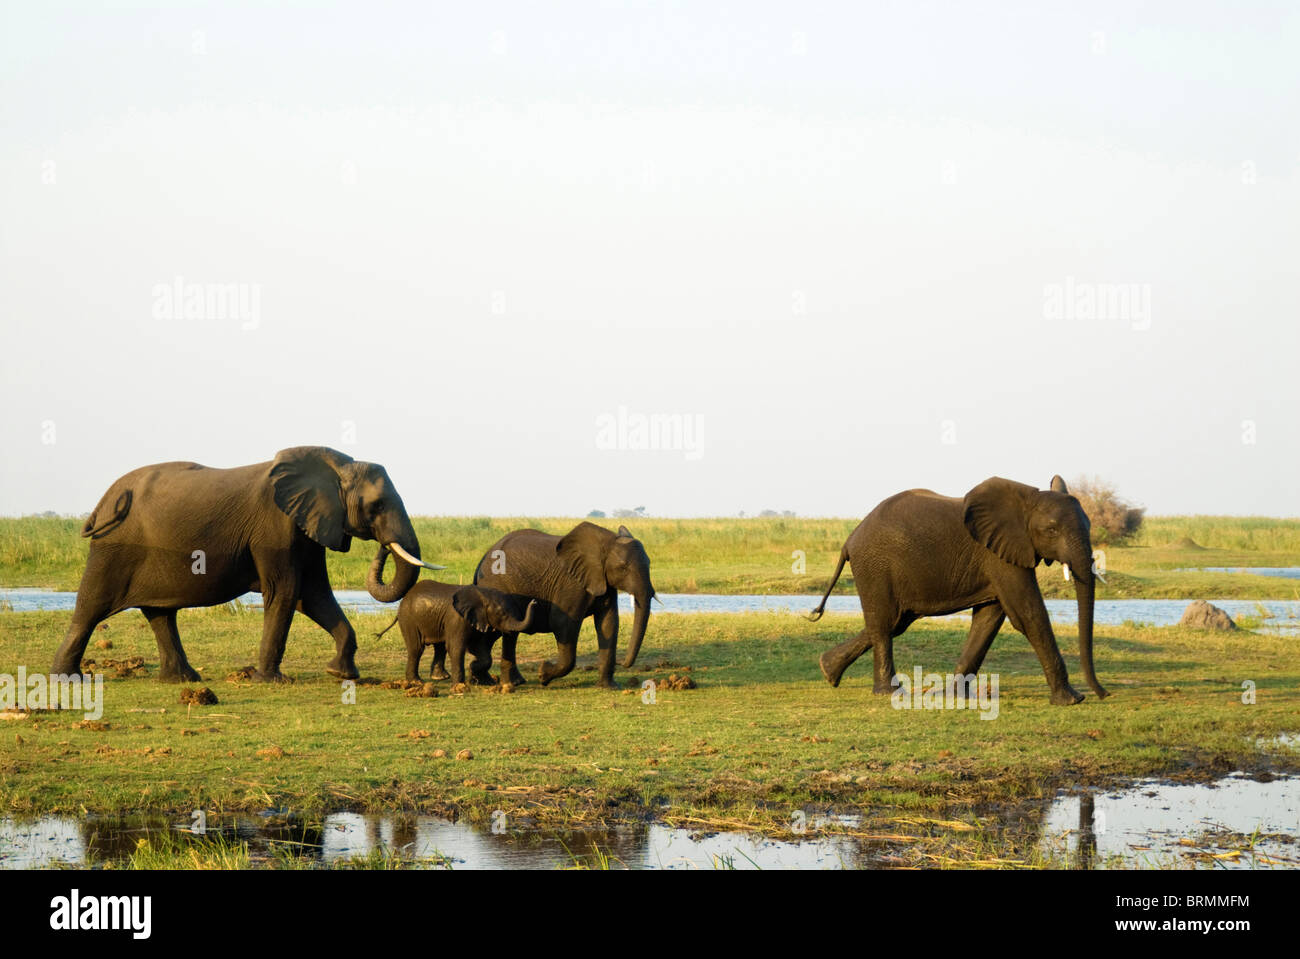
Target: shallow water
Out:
[1147,824]
[1285,614]
[431,841]
[1285,572]
[1177,825]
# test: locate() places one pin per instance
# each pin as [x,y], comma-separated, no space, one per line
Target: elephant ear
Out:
[1058,484]
[624,531]
[582,554]
[468,602]
[308,487]
[996,515]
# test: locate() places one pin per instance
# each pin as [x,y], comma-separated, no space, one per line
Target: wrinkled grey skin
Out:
[455,619]
[572,577]
[921,554]
[176,535]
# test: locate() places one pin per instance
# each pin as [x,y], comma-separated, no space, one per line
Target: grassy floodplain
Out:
[758,555]
[760,736]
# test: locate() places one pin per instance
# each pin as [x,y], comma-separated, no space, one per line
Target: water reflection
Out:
[1235,822]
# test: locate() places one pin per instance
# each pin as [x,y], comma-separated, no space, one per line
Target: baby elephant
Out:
[458,618]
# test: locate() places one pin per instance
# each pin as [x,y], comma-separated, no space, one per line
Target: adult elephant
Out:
[177,535]
[922,554]
[572,577]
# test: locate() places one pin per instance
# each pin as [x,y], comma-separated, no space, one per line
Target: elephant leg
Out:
[86,616]
[317,601]
[414,650]
[606,621]
[439,668]
[480,670]
[984,625]
[173,666]
[456,658]
[279,601]
[1037,627]
[509,665]
[566,648]
[834,661]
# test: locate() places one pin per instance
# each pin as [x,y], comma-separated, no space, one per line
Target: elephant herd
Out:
[178,535]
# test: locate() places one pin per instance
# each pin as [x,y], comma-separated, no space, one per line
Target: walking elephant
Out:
[921,554]
[453,619]
[572,577]
[176,535]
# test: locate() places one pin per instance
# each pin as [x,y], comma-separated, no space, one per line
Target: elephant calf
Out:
[458,618]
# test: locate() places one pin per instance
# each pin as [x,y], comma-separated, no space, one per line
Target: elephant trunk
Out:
[641,599]
[1084,590]
[521,625]
[407,573]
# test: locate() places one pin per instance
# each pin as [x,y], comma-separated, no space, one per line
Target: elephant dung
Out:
[121,668]
[1203,615]
[198,697]
[421,691]
[674,683]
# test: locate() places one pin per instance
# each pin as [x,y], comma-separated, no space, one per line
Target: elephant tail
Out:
[94,527]
[387,628]
[816,614]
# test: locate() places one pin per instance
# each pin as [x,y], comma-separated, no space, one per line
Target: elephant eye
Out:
[377,508]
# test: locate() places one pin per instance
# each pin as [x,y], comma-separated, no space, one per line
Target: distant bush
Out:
[596,514]
[1112,518]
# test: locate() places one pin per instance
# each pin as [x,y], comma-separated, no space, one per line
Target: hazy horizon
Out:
[538,262]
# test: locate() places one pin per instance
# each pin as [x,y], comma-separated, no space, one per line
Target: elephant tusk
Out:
[397,550]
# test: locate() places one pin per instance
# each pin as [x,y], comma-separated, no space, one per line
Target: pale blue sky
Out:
[825,231]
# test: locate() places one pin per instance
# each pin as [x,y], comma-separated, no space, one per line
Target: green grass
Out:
[761,736]
[754,555]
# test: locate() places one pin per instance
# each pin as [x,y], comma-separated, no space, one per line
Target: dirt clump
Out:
[242,675]
[271,752]
[121,668]
[198,697]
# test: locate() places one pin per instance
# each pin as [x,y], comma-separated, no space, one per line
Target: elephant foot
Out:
[184,674]
[342,670]
[439,673]
[273,676]
[66,668]
[832,675]
[485,679]
[608,682]
[1066,696]
[510,673]
[886,689]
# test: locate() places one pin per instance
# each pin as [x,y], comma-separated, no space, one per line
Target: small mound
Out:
[1203,615]
[1186,543]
